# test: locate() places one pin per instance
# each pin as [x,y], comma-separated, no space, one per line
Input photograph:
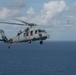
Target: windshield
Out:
[42,31]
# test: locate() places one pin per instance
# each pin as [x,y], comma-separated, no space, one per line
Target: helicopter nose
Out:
[48,36]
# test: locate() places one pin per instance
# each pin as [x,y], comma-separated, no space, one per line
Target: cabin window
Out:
[39,30]
[35,31]
[31,33]
[27,34]
[24,35]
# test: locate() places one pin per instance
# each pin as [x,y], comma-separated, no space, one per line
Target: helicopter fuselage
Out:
[30,34]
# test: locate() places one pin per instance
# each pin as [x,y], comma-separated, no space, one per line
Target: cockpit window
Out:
[27,34]
[42,31]
[39,30]
[24,34]
[31,33]
[35,31]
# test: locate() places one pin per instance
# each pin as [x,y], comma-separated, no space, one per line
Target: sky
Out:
[57,17]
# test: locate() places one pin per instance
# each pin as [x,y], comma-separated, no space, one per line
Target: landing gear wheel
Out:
[29,41]
[41,42]
[8,46]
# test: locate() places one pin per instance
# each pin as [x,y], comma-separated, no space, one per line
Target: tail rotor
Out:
[3,36]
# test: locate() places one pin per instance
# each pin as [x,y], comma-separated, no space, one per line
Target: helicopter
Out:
[29,34]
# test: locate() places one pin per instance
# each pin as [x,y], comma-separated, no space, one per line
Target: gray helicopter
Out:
[27,35]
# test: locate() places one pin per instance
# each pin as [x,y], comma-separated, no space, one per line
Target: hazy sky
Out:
[58,17]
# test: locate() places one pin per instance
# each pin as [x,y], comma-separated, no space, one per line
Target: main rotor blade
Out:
[22,21]
[25,23]
[29,24]
[12,23]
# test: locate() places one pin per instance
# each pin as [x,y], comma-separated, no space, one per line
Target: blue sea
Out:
[51,58]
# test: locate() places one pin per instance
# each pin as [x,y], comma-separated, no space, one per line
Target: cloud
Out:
[30,11]
[11,8]
[15,4]
[65,23]
[5,13]
[50,9]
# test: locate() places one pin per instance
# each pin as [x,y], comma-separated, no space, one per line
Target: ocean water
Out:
[51,58]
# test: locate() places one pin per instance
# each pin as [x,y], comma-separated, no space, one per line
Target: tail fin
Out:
[4,38]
